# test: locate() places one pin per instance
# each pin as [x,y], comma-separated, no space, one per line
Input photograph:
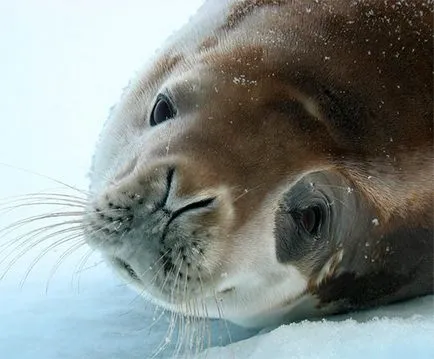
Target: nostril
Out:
[195,205]
[189,207]
[199,204]
[169,181]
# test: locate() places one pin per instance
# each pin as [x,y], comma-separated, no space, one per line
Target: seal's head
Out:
[243,174]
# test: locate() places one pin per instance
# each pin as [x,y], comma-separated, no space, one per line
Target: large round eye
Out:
[163,110]
[310,219]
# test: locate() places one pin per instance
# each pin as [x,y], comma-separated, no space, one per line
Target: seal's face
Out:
[216,189]
[188,214]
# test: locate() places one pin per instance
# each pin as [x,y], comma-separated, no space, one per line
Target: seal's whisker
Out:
[182,325]
[172,323]
[203,338]
[43,253]
[166,278]
[8,209]
[47,250]
[34,173]
[156,318]
[84,269]
[79,268]
[169,334]
[24,250]
[175,325]
[195,340]
[140,295]
[29,242]
[222,317]
[176,282]
[28,245]
[41,217]
[191,339]
[154,278]
[205,314]
[186,333]
[34,233]
[48,215]
[179,318]
[43,196]
[63,257]
[33,238]
[159,259]
[186,327]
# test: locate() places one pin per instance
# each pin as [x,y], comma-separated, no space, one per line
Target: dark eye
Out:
[310,219]
[163,110]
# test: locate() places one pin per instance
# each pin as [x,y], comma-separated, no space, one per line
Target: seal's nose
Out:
[161,205]
[148,200]
[171,209]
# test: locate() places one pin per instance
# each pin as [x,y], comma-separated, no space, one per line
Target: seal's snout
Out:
[160,223]
[160,193]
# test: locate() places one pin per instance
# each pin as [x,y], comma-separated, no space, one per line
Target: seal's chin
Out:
[238,298]
[141,282]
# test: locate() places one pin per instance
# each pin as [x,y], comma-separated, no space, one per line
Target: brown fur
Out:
[286,88]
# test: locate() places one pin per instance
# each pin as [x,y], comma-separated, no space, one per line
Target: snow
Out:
[63,65]
[401,331]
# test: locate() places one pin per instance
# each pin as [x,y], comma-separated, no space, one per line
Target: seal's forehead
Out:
[224,72]
[154,73]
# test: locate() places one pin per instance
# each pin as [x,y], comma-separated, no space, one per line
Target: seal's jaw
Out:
[254,294]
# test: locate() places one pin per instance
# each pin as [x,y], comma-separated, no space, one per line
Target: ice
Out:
[378,337]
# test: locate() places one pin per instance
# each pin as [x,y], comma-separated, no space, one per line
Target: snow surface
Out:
[63,65]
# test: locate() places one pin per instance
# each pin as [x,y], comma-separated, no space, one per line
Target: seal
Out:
[274,162]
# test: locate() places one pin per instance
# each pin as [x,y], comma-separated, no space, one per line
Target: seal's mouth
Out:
[227,290]
[131,273]
[126,268]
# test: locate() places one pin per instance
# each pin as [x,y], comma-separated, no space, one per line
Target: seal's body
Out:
[274,162]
